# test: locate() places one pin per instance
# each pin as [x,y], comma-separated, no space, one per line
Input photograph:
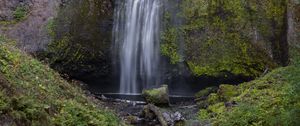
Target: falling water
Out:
[136,37]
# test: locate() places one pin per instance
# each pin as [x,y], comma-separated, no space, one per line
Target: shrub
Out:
[20,13]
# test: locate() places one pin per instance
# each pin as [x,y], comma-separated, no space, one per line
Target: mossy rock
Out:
[227,91]
[207,97]
[213,99]
[132,119]
[205,92]
[158,96]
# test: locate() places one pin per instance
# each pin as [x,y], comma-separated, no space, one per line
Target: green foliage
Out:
[20,13]
[72,114]
[169,48]
[213,98]
[227,91]
[51,27]
[34,94]
[221,36]
[203,114]
[271,100]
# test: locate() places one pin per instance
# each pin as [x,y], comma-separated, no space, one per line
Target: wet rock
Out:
[148,113]
[157,96]
[132,119]
[231,104]
[157,113]
[178,117]
[165,117]
[168,118]
[103,97]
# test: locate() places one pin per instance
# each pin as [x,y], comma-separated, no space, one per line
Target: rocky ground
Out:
[151,115]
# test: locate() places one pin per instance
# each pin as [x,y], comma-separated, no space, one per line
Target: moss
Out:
[217,108]
[227,91]
[269,100]
[203,114]
[169,48]
[34,94]
[213,99]
[205,92]
[222,36]
[51,27]
[157,96]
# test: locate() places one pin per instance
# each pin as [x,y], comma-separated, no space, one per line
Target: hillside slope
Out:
[33,94]
[273,100]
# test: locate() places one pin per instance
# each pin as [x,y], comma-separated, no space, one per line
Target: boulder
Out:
[158,96]
[165,117]
[132,119]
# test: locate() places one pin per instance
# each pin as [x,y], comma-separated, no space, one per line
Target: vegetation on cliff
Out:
[81,35]
[270,100]
[241,37]
[33,94]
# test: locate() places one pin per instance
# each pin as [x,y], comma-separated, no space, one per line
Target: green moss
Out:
[157,96]
[34,94]
[169,46]
[227,91]
[217,108]
[219,36]
[213,99]
[51,27]
[205,92]
[270,100]
[203,114]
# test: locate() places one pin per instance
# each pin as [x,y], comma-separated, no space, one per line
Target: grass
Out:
[273,100]
[33,94]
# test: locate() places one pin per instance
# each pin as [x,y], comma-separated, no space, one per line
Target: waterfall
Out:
[136,43]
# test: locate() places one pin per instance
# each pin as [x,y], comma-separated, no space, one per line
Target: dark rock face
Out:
[82,35]
[293,30]
[7,8]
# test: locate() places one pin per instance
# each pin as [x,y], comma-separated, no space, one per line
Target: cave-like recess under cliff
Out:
[203,42]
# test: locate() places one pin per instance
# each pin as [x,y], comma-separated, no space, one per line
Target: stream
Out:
[135,112]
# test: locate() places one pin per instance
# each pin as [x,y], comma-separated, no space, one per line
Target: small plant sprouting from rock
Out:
[20,13]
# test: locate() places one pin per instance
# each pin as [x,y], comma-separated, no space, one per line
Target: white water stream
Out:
[136,40]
